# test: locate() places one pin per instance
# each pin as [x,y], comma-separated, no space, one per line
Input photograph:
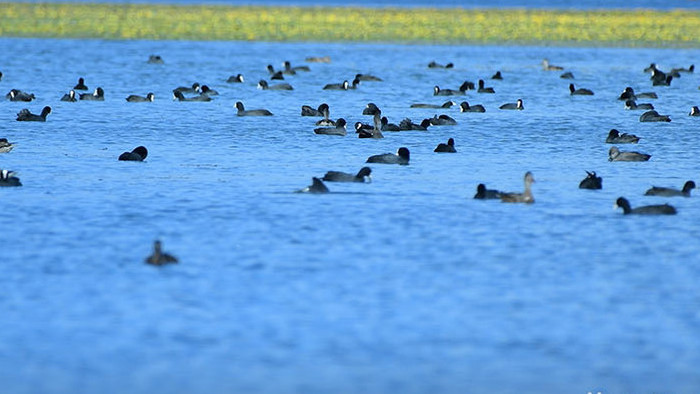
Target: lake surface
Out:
[406,284]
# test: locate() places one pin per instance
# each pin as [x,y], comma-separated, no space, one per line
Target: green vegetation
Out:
[192,22]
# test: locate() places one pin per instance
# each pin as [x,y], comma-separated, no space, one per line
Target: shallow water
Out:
[406,284]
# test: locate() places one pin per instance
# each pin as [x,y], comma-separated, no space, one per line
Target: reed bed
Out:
[326,24]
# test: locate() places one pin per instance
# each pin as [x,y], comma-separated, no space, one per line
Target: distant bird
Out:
[446,92]
[550,67]
[629,94]
[449,147]
[338,129]
[137,154]
[518,105]
[159,257]
[18,95]
[253,112]
[632,105]
[318,59]
[442,120]
[446,104]
[155,59]
[5,146]
[326,111]
[671,192]
[386,126]
[407,124]
[592,181]
[280,86]
[651,68]
[466,85]
[235,79]
[274,75]
[695,111]
[181,97]
[25,116]
[614,154]
[374,132]
[525,196]
[483,89]
[362,176]
[653,116]
[80,85]
[288,66]
[433,64]
[368,77]
[97,95]
[317,187]
[402,157]
[465,107]
[614,137]
[307,110]
[482,193]
[0,75]
[683,70]
[497,75]
[69,97]
[664,209]
[140,99]
[195,88]
[371,109]
[659,78]
[345,85]
[567,75]
[9,178]
[579,92]
[206,90]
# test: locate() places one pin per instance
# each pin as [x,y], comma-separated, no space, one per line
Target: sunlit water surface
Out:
[404,285]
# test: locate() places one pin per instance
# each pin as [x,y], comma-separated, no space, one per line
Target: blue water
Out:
[403,285]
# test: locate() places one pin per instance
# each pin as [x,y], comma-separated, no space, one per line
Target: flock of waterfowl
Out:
[380,125]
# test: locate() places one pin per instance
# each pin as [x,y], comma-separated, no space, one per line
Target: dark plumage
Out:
[483,89]
[664,209]
[80,85]
[97,95]
[592,181]
[18,95]
[9,178]
[187,89]
[614,137]
[671,192]
[402,157]
[140,99]
[137,154]
[253,112]
[155,59]
[465,107]
[5,145]
[482,193]
[446,104]
[262,84]
[695,111]
[181,97]
[442,120]
[336,176]
[614,154]
[449,147]
[517,105]
[235,79]
[159,257]
[316,187]
[579,92]
[653,116]
[338,129]
[497,76]
[446,92]
[25,116]
[69,97]
[433,64]
[632,105]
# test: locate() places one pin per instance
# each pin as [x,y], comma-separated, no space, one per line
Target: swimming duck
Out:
[517,105]
[446,92]
[159,257]
[402,157]
[235,78]
[465,107]
[661,79]
[367,77]
[433,64]
[664,209]
[567,75]
[671,192]
[361,177]
[550,67]
[253,112]
[407,124]
[442,120]
[614,137]
[97,95]
[446,104]
[653,116]
[189,90]
[288,66]
[629,94]
[280,86]
[345,85]
[633,106]
[155,59]
[9,178]
[25,116]
[695,111]
[482,193]
[140,99]
[317,187]
[525,196]
[449,147]
[208,91]
[497,76]
[137,154]
[592,181]
[683,70]
[355,83]
[80,85]
[614,154]
[70,97]
[18,95]
[5,146]
[579,92]
[371,109]
[466,85]
[483,89]
[274,75]
[318,59]
[386,126]
[375,132]
[181,97]
[326,111]
[307,110]
[338,129]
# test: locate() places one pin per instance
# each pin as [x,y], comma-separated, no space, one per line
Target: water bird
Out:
[253,112]
[442,120]
[633,106]
[550,67]
[446,104]
[401,157]
[483,89]
[407,124]
[482,193]
[371,109]
[5,146]
[386,126]
[181,97]
[449,147]
[80,85]
[208,91]
[318,59]
[517,105]
[18,95]
[446,92]
[579,92]
[9,178]
[69,97]
[683,70]
[307,110]
[368,77]
[155,59]
[288,66]
[195,88]
[614,137]
[695,111]
[326,111]
[235,78]
[274,75]
[664,209]
[25,116]
[525,196]
[137,154]
[263,85]
[497,76]
[653,116]
[629,94]
[362,176]
[133,98]
[567,75]
[338,129]
[0,75]
[97,95]
[671,192]
[591,181]
[317,187]
[652,67]
[159,257]
[375,131]
[659,78]
[466,85]
[614,154]
[465,107]
[433,64]
[345,85]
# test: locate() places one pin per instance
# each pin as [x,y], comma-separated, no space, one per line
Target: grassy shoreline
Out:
[629,28]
